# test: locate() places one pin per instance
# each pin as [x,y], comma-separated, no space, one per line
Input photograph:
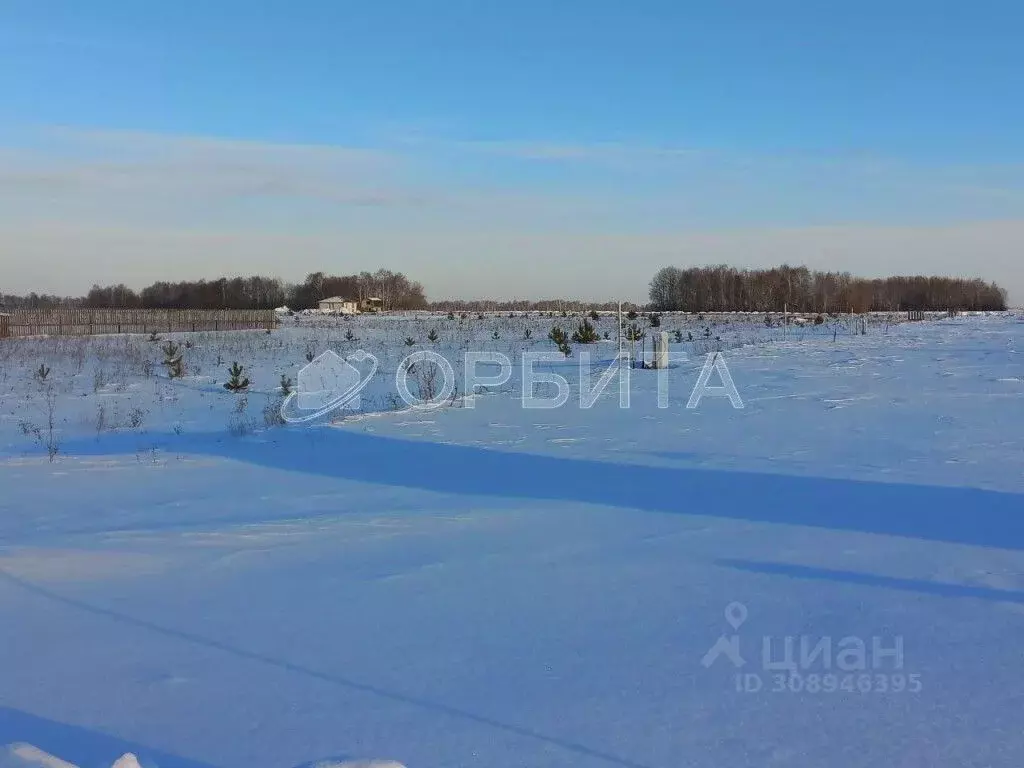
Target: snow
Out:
[127,760]
[498,587]
[20,754]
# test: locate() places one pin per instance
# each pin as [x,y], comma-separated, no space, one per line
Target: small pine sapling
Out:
[634,333]
[237,383]
[174,360]
[585,333]
[432,336]
[561,339]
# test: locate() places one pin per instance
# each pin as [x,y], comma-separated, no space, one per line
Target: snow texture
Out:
[493,587]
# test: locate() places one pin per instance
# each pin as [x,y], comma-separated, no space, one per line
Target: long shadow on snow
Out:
[79,746]
[19,728]
[932,513]
[874,580]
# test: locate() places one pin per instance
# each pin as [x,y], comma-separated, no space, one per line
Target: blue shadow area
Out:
[90,750]
[871,580]
[84,748]
[931,513]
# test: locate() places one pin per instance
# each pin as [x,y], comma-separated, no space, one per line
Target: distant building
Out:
[372,304]
[340,306]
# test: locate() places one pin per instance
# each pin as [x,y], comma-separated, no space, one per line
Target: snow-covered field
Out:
[491,586]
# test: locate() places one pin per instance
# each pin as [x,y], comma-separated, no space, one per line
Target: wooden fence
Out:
[86,322]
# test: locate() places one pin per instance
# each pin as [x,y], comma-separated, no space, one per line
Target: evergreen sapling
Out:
[561,339]
[585,333]
[237,383]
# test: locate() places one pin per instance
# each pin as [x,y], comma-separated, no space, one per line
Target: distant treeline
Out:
[696,289]
[396,290]
[723,288]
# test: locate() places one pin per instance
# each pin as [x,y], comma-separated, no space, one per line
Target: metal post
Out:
[661,350]
[619,337]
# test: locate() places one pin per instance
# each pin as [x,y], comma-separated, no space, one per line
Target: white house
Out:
[338,305]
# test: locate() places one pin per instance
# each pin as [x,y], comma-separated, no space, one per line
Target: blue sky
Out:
[502,149]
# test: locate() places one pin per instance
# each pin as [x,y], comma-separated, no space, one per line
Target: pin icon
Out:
[735,614]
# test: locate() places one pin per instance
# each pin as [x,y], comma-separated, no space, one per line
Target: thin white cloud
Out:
[126,169]
[118,174]
[601,152]
[202,147]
